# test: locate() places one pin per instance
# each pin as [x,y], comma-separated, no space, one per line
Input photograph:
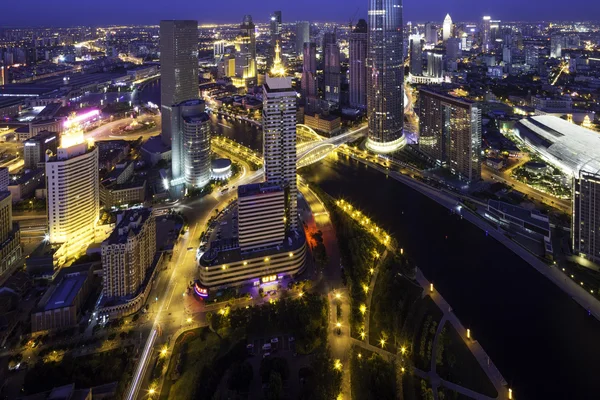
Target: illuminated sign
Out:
[268,279]
[200,291]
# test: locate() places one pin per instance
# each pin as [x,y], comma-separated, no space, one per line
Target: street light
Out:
[362,335]
[363,308]
[189,320]
[382,342]
[468,333]
[403,350]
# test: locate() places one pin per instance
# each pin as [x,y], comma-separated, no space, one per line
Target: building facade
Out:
[73,200]
[332,69]
[586,215]
[385,81]
[190,160]
[450,133]
[261,211]
[178,68]
[359,39]
[10,247]
[447,28]
[486,34]
[245,56]
[35,148]
[415,44]
[309,78]
[279,141]
[302,36]
[128,253]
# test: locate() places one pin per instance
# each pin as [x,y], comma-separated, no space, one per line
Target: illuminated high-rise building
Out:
[385,77]
[73,200]
[190,159]
[532,56]
[245,56]
[279,141]
[486,34]
[586,215]
[10,247]
[415,44]
[302,36]
[447,28]
[435,65]
[450,132]
[178,68]
[332,70]
[431,33]
[309,78]
[359,39]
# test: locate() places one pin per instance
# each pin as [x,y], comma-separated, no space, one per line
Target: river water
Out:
[544,344]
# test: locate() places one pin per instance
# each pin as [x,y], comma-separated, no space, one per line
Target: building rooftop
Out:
[532,217]
[567,146]
[257,188]
[278,83]
[131,222]
[66,291]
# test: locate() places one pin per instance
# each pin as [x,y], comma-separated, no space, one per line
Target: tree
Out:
[275,387]
[241,377]
[270,365]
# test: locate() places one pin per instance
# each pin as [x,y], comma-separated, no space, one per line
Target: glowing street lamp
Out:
[338,296]
[189,320]
[431,287]
[363,309]
[403,350]
[510,394]
[382,342]
[366,288]
[362,335]
[468,333]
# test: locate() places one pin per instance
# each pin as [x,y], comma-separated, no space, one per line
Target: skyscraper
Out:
[486,34]
[302,36]
[435,65]
[245,56]
[450,132]
[385,77]
[275,27]
[532,56]
[128,253]
[178,68]
[447,28]
[73,199]
[586,215]
[309,78]
[431,33]
[453,47]
[10,247]
[556,44]
[331,70]
[415,43]
[279,141]
[359,39]
[190,159]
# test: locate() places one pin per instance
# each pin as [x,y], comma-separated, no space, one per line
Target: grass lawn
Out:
[460,366]
[196,348]
[424,320]
[372,376]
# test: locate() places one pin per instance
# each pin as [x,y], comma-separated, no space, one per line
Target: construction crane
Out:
[353,18]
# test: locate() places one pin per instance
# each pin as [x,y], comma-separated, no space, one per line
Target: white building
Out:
[261,208]
[73,196]
[279,141]
[447,28]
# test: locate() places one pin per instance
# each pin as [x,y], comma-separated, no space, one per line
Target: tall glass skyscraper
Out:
[385,78]
[178,68]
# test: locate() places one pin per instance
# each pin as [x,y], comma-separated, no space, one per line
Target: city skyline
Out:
[63,13]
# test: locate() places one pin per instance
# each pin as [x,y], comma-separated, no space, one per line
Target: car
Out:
[274,340]
[266,347]
[266,355]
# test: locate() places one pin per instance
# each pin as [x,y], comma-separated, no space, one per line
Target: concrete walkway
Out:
[370,294]
[480,355]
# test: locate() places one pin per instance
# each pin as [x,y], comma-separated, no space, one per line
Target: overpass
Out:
[312,152]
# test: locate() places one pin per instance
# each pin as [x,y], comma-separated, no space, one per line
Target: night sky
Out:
[103,12]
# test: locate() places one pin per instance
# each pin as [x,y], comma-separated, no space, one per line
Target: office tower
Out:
[435,65]
[35,148]
[447,28]
[507,55]
[359,39]
[219,49]
[331,71]
[73,193]
[431,33]
[453,48]
[586,215]
[275,27]
[302,36]
[556,43]
[450,132]
[2,72]
[279,141]
[245,56]
[128,253]
[261,216]
[532,56]
[415,44]
[10,236]
[178,68]
[4,179]
[495,34]
[486,38]
[309,78]
[385,80]
[190,155]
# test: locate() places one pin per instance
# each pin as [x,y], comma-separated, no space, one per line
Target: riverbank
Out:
[575,291]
